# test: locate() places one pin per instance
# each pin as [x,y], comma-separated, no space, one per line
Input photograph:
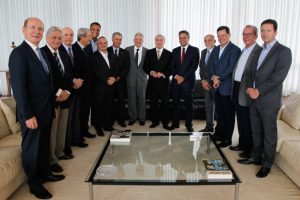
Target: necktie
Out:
[116,52]
[71,55]
[41,58]
[58,63]
[158,54]
[207,56]
[182,55]
[136,57]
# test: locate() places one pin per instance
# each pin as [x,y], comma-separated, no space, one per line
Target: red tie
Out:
[182,55]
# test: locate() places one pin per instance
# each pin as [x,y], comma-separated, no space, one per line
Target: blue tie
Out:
[207,56]
[41,58]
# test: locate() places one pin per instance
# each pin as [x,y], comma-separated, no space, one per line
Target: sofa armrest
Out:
[280,113]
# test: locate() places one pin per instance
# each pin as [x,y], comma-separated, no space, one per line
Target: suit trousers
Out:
[225,117]
[264,129]
[243,121]
[73,127]
[35,152]
[58,134]
[137,103]
[120,95]
[209,98]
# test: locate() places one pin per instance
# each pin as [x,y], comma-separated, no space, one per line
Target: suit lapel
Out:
[225,51]
[269,55]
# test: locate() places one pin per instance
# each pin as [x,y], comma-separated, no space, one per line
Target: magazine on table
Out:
[217,169]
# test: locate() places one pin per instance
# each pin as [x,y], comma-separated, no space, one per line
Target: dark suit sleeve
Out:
[17,69]
[125,65]
[233,58]
[202,67]
[280,72]
[147,67]
[194,64]
[173,64]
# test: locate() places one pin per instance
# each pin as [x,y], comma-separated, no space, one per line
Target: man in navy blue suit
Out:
[224,58]
[31,80]
[185,59]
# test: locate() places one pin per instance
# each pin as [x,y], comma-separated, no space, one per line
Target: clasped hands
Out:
[77,83]
[205,85]
[179,79]
[216,81]
[157,74]
[111,80]
[253,93]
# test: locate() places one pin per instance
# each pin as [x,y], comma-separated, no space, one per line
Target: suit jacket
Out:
[122,62]
[136,76]
[243,97]
[162,65]
[60,81]
[188,67]
[204,68]
[31,84]
[270,75]
[224,65]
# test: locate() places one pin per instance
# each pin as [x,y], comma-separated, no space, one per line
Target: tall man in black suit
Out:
[31,80]
[82,70]
[157,66]
[103,85]
[264,86]
[95,29]
[206,83]
[185,59]
[62,84]
[122,67]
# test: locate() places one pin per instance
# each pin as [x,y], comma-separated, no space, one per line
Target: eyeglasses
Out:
[35,28]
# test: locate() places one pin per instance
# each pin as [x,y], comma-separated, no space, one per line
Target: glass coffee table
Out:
[159,159]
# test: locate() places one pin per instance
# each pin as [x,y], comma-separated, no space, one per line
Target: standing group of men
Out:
[59,86]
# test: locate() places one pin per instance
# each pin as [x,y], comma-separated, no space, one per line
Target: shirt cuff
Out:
[58,92]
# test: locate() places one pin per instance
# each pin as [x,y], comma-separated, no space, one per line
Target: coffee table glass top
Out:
[158,158]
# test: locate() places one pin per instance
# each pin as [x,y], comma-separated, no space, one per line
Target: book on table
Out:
[217,169]
[120,136]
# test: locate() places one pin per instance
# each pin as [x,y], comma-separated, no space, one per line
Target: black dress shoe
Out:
[166,126]
[82,145]
[244,154]
[236,148]
[173,126]
[54,178]
[89,135]
[225,143]
[142,123]
[122,124]
[100,132]
[249,161]
[263,172]
[153,125]
[207,129]
[189,129]
[66,157]
[40,192]
[130,123]
[56,168]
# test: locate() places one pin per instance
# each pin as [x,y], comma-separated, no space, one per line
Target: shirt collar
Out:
[103,53]
[186,47]
[135,48]
[31,45]
[270,45]
[52,50]
[250,48]
[160,50]
[224,46]
[210,50]
[81,46]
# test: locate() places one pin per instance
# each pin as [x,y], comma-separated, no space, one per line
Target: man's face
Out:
[102,44]
[85,40]
[33,31]
[268,33]
[249,36]
[138,41]
[209,42]
[67,36]
[183,39]
[95,31]
[159,42]
[223,37]
[117,41]
[54,39]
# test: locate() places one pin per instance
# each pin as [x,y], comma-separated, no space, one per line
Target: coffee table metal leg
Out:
[208,145]
[236,191]
[91,191]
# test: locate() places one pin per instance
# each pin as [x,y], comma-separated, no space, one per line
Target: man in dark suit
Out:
[122,68]
[206,83]
[224,58]
[157,66]
[137,81]
[31,80]
[103,86]
[95,29]
[62,84]
[185,59]
[240,99]
[264,86]
[82,70]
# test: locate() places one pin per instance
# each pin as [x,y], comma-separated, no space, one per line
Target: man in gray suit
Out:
[264,87]
[137,81]
[240,99]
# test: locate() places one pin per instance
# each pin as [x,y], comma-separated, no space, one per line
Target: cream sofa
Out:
[11,171]
[288,145]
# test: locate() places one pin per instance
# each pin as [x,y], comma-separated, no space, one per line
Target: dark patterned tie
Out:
[71,56]
[182,55]
[58,63]
[116,52]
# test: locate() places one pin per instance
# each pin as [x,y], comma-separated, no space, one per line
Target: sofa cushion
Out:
[11,140]
[285,132]
[8,105]
[291,111]
[10,163]
[4,128]
[290,150]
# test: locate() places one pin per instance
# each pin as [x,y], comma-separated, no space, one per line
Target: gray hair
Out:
[139,34]
[82,32]
[53,29]
[160,35]
[116,33]
[255,30]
